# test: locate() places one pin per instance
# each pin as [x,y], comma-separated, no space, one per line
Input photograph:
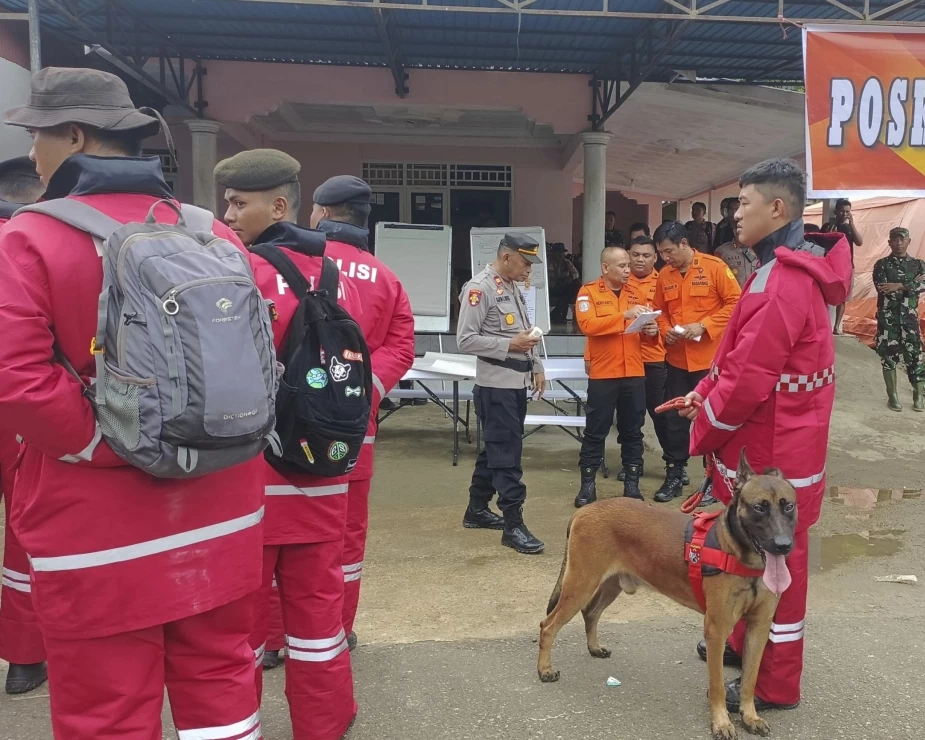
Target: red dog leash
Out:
[691,504]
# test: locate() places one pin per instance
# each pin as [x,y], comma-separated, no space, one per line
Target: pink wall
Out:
[628,211]
[238,90]
[541,191]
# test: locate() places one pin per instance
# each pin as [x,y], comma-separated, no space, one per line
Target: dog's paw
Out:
[600,652]
[757,726]
[724,730]
[549,676]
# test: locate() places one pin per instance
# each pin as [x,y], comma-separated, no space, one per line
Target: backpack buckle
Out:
[94,350]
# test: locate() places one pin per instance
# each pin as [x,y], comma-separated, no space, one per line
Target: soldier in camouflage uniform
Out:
[899,280]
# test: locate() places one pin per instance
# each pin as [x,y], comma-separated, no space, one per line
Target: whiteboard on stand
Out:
[484,243]
[420,257]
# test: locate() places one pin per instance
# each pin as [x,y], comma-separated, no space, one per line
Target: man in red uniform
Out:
[341,210]
[137,582]
[306,514]
[770,391]
[20,637]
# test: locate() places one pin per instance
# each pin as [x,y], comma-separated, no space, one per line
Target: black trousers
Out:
[656,373]
[679,382]
[628,397]
[498,465]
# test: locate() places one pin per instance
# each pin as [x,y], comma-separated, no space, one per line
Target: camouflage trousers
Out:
[899,338]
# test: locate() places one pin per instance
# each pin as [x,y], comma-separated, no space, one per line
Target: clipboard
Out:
[640,321]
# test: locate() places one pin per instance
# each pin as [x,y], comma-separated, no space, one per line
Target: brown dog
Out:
[617,544]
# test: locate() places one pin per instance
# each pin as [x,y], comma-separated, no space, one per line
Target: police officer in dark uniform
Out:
[493,325]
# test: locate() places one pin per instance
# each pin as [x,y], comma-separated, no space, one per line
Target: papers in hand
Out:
[640,321]
[680,330]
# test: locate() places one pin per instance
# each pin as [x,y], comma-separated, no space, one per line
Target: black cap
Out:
[342,189]
[20,166]
[899,231]
[257,170]
[557,247]
[526,246]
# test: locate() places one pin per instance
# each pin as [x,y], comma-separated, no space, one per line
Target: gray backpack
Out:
[186,375]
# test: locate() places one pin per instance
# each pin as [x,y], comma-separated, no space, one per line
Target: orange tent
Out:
[874,217]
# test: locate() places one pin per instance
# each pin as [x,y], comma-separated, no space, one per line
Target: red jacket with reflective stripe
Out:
[302,508]
[9,447]
[113,549]
[390,338]
[771,388]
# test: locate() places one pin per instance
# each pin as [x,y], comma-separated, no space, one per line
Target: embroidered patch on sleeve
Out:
[475,297]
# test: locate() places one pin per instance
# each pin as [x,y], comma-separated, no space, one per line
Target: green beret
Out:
[342,189]
[257,169]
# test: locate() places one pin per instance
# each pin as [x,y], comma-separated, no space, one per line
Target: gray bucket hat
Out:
[86,96]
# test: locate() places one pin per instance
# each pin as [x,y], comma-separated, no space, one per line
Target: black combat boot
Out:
[685,478]
[621,476]
[479,516]
[21,679]
[631,483]
[672,486]
[517,536]
[707,488]
[588,492]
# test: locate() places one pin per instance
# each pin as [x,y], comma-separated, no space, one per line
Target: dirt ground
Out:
[448,618]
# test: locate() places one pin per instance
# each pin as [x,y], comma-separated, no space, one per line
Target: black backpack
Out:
[325,393]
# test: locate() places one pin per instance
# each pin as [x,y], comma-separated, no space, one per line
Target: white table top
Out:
[455,367]
[565,368]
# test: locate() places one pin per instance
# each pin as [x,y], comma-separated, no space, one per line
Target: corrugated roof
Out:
[547,36]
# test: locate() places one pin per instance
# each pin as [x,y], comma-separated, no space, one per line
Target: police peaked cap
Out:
[526,246]
[342,189]
[257,169]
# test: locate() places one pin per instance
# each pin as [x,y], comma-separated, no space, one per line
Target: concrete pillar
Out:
[204,159]
[595,201]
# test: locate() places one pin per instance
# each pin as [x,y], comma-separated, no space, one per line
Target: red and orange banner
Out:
[865,111]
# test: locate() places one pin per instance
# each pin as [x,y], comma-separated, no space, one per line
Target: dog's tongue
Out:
[776,574]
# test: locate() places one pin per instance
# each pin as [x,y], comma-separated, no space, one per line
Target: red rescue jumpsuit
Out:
[391,343]
[770,390]
[20,636]
[136,582]
[304,541]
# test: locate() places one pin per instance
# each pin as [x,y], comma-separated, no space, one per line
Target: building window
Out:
[480,176]
[168,167]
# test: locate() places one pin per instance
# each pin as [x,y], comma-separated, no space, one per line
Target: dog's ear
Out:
[774,473]
[745,470]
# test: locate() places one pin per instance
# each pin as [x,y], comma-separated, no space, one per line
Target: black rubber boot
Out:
[271,660]
[631,483]
[733,692]
[479,516]
[21,679]
[518,537]
[730,656]
[672,486]
[588,492]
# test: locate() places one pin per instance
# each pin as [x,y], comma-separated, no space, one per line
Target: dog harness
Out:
[704,556]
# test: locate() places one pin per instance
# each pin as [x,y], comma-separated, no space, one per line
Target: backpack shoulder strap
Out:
[77,214]
[330,277]
[197,219]
[285,267]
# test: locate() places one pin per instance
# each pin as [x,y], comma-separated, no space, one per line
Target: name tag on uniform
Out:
[503,299]
[670,292]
